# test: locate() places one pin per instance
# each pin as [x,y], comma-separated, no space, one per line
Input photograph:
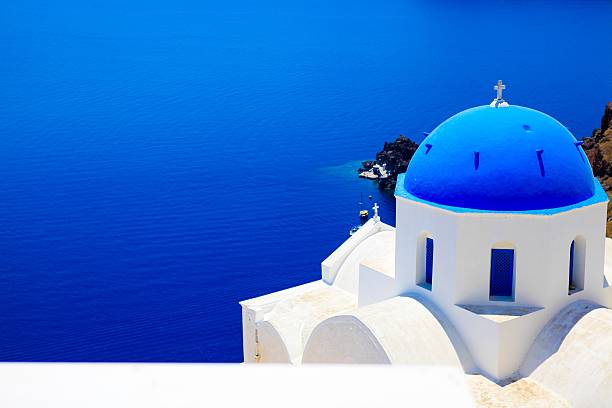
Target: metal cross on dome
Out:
[375,208]
[499,101]
[499,88]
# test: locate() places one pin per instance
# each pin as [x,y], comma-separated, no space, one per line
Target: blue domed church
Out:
[496,266]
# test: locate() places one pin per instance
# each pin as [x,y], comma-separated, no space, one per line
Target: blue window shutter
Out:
[502,272]
[429,253]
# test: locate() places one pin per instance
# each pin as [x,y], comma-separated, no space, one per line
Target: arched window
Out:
[576,265]
[425,261]
[501,285]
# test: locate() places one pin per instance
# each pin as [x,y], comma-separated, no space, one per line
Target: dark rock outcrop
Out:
[598,149]
[393,158]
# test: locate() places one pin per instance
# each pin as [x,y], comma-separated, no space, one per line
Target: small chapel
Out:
[498,266]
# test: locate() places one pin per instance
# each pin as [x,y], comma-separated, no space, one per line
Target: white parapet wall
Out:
[24,385]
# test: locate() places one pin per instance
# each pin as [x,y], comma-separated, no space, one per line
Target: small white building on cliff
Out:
[497,266]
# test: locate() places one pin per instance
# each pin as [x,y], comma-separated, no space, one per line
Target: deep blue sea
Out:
[161,161]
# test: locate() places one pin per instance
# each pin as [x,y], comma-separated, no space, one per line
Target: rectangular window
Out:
[424,262]
[576,265]
[502,274]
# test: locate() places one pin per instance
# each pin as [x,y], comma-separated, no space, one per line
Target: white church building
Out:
[498,266]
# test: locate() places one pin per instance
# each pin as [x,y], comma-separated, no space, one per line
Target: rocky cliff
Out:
[393,159]
[598,149]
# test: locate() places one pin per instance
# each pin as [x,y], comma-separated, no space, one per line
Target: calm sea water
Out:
[160,161]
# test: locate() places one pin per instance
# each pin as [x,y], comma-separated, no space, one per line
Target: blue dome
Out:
[500,159]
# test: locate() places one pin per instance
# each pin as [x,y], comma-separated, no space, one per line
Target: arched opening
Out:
[577,257]
[501,284]
[425,261]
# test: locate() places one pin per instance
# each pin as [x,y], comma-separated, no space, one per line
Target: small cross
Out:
[499,88]
[375,208]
